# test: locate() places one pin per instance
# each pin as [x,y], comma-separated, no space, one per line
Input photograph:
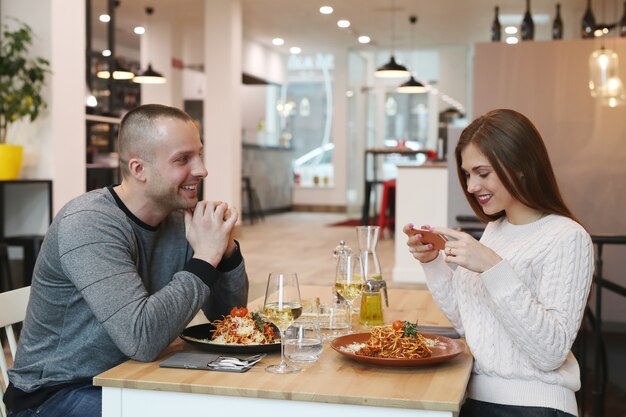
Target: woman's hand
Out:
[462,249]
[421,252]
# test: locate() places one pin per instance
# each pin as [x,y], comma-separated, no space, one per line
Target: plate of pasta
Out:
[239,332]
[398,346]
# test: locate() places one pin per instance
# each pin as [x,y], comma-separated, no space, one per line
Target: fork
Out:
[232,361]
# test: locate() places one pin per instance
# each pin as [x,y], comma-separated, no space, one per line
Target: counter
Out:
[421,198]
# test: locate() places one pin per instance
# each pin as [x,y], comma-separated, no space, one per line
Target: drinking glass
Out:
[334,320]
[351,283]
[303,340]
[282,306]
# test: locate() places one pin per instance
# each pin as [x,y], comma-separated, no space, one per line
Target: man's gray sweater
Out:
[107,287]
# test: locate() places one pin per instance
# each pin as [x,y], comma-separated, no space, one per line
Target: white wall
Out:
[55,143]
[547,81]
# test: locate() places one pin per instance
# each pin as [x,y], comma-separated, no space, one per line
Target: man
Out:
[123,270]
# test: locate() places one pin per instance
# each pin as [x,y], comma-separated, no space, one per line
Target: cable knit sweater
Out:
[521,317]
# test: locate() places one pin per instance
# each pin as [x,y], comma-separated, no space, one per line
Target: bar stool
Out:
[387,216]
[251,199]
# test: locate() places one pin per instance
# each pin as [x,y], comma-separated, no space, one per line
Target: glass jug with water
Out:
[371,312]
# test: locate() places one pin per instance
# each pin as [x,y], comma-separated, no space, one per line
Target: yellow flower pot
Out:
[10,161]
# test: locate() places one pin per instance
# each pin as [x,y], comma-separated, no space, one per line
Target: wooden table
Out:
[333,386]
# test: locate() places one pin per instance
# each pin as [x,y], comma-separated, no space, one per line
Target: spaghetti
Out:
[247,330]
[386,342]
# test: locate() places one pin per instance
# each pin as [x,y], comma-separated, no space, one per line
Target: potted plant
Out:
[22,79]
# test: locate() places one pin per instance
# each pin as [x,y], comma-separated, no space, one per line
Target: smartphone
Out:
[438,241]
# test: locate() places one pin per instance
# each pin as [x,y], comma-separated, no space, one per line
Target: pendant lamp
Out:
[412,86]
[149,76]
[119,73]
[392,69]
[604,82]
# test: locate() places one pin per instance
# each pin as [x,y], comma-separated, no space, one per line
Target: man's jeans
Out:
[75,401]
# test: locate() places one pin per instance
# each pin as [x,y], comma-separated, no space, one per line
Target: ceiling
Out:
[440,22]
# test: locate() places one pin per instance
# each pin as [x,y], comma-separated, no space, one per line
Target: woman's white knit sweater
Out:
[521,317]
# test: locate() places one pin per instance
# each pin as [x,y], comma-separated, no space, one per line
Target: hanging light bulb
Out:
[149,76]
[603,67]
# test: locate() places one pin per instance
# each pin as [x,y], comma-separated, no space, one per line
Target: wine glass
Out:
[282,307]
[350,283]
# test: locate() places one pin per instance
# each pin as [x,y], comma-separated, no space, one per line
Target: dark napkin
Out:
[446,331]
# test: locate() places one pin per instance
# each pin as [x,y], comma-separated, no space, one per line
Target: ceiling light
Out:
[392,69]
[119,73]
[139,30]
[105,18]
[149,76]
[326,10]
[343,23]
[295,50]
[364,39]
[511,40]
[349,93]
[92,101]
[412,86]
[106,52]
[510,30]
[278,41]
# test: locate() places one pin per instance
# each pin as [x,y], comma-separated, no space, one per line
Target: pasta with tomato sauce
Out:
[249,329]
[388,342]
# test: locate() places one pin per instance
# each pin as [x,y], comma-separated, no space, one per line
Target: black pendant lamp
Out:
[392,69]
[149,76]
[412,86]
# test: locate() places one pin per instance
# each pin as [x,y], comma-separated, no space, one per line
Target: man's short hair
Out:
[138,131]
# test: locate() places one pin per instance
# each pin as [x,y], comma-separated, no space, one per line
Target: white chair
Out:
[12,310]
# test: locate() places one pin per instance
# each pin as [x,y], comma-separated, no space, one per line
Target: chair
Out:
[12,310]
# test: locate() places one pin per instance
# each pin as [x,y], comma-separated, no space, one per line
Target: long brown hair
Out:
[518,156]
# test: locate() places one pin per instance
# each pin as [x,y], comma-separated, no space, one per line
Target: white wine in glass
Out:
[350,284]
[282,307]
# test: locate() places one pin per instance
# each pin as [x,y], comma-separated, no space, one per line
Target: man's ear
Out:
[137,167]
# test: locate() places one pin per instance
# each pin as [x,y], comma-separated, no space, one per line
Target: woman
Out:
[518,295]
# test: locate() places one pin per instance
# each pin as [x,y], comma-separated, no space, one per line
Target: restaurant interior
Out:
[307,133]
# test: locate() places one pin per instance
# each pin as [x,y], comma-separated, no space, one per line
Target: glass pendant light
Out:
[604,81]
[392,69]
[149,76]
[412,86]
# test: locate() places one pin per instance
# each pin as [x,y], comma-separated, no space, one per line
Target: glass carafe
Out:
[371,312]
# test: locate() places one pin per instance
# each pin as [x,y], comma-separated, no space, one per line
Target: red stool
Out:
[387,216]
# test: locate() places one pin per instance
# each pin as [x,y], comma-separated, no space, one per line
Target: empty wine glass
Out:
[351,282]
[282,307]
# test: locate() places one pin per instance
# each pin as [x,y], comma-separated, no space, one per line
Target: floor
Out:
[304,242]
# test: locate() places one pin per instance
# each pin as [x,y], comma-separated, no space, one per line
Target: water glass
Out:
[303,341]
[334,319]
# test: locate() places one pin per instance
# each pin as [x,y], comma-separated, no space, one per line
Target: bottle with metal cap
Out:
[342,253]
